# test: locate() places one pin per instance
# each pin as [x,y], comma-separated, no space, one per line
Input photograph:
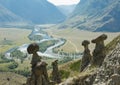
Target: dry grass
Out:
[75,37]
[112,44]
[4,66]
[24,65]
[8,78]
[15,35]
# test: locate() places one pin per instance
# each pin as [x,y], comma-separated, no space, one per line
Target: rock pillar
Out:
[99,51]
[55,73]
[86,55]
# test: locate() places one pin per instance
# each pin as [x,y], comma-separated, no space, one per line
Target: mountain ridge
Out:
[37,11]
[7,17]
[94,15]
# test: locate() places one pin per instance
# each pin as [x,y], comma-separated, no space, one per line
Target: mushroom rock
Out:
[86,55]
[99,51]
[32,48]
[55,73]
[39,76]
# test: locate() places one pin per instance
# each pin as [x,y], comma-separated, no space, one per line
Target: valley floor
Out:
[75,37]
[11,37]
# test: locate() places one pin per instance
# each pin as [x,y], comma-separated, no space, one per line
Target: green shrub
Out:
[25,73]
[43,46]
[3,59]
[65,59]
[6,61]
[19,55]
[64,74]
[75,66]
[13,65]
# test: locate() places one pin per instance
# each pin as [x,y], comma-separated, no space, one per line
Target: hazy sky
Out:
[64,2]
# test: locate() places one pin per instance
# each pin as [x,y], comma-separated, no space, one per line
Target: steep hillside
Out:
[7,17]
[37,11]
[113,44]
[95,15]
[107,74]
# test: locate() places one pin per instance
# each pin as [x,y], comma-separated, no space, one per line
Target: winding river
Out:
[45,37]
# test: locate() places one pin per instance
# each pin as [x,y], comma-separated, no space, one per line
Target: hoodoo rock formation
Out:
[104,68]
[109,72]
[86,55]
[99,51]
[55,73]
[39,74]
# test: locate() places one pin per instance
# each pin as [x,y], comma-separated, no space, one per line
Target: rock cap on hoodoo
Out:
[85,42]
[34,47]
[100,38]
[55,62]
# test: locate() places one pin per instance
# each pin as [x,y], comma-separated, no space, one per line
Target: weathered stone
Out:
[55,73]
[39,72]
[86,56]
[30,81]
[99,51]
[32,49]
[114,80]
[118,70]
[68,82]
[90,79]
[110,69]
[41,75]
[107,74]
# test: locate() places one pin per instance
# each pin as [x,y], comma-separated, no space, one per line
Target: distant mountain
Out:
[66,9]
[7,17]
[37,11]
[95,15]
